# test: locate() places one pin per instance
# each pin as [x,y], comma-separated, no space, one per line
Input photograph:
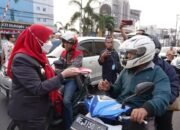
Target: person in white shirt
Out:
[7,48]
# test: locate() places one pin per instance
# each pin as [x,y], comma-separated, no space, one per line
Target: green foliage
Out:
[90,20]
[85,15]
[105,22]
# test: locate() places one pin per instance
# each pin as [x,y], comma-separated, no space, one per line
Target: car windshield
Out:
[55,43]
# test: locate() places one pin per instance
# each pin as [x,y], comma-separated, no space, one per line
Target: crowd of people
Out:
[35,84]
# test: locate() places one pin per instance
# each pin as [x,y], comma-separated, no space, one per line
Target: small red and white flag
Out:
[6,9]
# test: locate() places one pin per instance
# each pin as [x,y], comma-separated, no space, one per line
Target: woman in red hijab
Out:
[32,87]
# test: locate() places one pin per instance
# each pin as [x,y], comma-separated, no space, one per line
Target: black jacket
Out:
[173,77]
[30,98]
[107,72]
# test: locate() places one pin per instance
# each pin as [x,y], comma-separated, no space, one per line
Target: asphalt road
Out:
[4,118]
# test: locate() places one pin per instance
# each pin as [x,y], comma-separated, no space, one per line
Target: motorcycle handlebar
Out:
[121,118]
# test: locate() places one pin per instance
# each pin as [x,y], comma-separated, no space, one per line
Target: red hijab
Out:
[27,43]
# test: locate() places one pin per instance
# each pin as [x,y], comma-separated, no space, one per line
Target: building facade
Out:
[21,11]
[135,15]
[119,9]
[43,12]
[28,11]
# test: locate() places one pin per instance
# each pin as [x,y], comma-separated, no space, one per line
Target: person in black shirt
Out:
[109,59]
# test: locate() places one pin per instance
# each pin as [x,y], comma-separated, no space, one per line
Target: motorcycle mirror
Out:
[58,64]
[144,87]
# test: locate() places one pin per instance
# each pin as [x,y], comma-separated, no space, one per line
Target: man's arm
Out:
[174,82]
[26,74]
[101,60]
[125,37]
[173,77]
[116,88]
[102,56]
[160,95]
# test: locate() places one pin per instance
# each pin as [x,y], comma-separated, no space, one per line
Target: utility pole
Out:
[176,33]
[80,23]
[6,9]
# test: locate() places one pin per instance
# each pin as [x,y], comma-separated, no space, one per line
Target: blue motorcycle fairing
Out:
[104,107]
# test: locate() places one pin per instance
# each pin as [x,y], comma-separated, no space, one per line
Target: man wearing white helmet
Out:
[163,122]
[137,55]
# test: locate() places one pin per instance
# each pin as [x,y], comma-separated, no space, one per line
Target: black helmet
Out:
[156,42]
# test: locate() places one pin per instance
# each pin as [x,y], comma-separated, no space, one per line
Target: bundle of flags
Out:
[6,9]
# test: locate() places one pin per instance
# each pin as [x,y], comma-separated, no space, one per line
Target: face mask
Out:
[47,47]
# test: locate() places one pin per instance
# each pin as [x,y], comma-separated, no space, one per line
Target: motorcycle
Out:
[106,113]
[83,83]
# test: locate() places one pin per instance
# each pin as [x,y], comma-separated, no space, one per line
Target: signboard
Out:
[12,25]
[9,27]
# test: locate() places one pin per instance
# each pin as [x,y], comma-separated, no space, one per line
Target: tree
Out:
[62,29]
[70,28]
[86,16]
[105,22]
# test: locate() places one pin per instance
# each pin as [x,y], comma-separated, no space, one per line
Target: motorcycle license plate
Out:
[85,123]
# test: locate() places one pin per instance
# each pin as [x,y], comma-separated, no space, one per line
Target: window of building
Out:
[44,19]
[44,9]
[38,19]
[38,8]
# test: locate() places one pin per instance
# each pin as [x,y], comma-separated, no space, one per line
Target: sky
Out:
[162,13]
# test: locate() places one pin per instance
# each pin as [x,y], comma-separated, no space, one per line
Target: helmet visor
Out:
[130,54]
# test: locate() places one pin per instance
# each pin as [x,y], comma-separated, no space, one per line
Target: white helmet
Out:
[142,48]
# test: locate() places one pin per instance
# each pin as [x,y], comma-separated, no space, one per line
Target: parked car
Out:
[56,50]
[56,43]
[91,48]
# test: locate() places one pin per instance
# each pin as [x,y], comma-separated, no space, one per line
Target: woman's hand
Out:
[70,72]
[104,85]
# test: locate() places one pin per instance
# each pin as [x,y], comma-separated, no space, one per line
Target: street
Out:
[4,118]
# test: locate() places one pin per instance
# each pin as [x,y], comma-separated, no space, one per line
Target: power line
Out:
[31,17]
[6,9]
[29,12]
